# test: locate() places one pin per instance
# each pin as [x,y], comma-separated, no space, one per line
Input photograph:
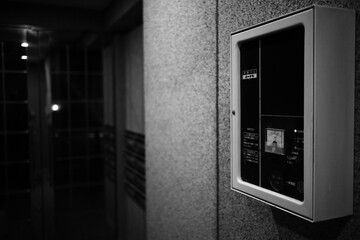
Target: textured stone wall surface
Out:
[180,118]
[187,125]
[241,217]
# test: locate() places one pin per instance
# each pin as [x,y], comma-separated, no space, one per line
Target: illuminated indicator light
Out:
[55,107]
[25,44]
[295,130]
[23,57]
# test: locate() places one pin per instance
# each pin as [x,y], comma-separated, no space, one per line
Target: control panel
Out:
[287,101]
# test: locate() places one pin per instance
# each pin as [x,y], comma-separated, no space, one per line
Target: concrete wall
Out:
[180,118]
[187,104]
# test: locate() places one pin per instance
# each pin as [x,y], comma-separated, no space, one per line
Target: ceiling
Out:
[80,4]
[72,19]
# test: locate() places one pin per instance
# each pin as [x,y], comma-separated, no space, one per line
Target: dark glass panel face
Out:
[77,59]
[77,87]
[96,116]
[61,143]
[17,147]
[12,56]
[96,166]
[60,117]
[249,84]
[59,87]
[78,115]
[282,63]
[79,143]
[79,170]
[62,170]
[94,60]
[95,87]
[16,117]
[282,106]
[19,176]
[16,86]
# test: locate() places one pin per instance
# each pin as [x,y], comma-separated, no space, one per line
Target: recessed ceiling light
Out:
[55,107]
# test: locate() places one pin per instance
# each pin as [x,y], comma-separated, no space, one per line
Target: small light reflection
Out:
[55,107]
[24,57]
[25,44]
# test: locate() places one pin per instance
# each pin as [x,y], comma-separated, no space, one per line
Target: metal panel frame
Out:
[334,73]
[320,86]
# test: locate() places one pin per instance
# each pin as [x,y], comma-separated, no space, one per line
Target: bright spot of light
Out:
[295,130]
[55,107]
[25,44]
[23,57]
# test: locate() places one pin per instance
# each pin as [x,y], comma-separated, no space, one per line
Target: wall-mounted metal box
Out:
[292,120]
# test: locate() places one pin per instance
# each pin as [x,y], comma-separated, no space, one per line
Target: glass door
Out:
[77,135]
[51,136]
[16,155]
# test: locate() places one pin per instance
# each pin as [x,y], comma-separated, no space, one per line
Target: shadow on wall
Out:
[330,229]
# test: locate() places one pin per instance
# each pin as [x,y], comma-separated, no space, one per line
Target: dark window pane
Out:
[82,198]
[2,148]
[78,115]
[59,87]
[61,144]
[16,86]
[60,117]
[1,87]
[96,113]
[59,59]
[77,59]
[19,206]
[95,140]
[62,172]
[77,87]
[1,59]
[95,86]
[79,170]
[17,147]
[16,117]
[94,59]
[96,169]
[79,143]
[19,176]
[2,180]
[2,117]
[12,56]
[62,201]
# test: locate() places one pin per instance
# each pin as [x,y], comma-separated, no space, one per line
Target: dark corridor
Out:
[51,136]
